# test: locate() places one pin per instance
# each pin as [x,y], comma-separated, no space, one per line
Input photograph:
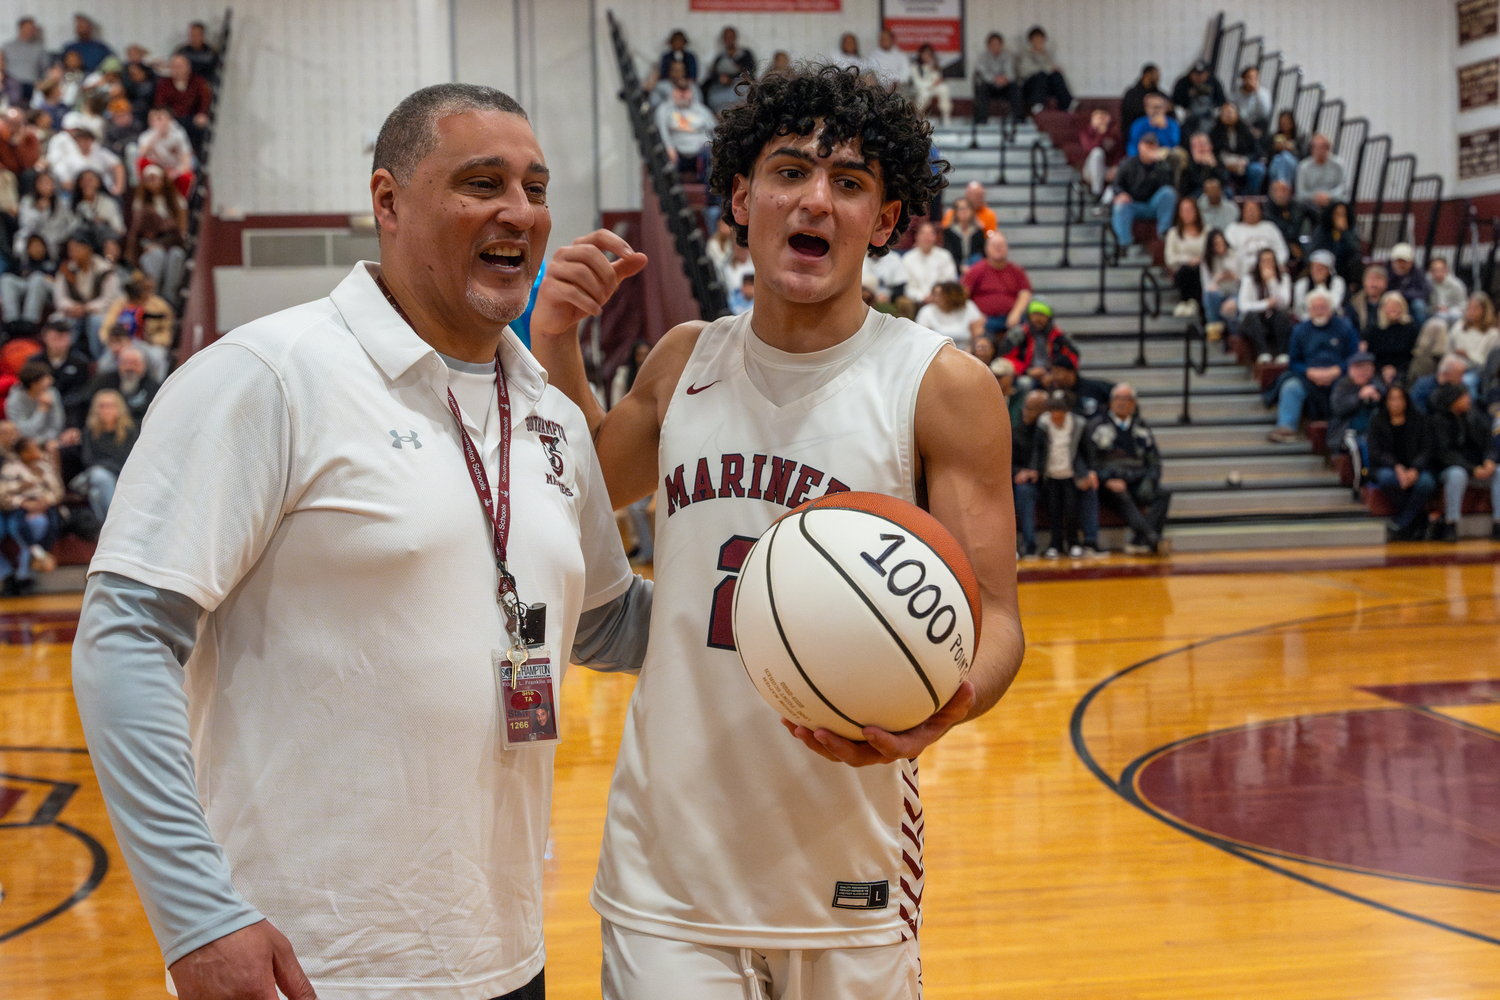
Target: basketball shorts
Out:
[646,967]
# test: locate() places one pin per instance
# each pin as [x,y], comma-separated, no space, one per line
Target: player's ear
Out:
[885,223]
[383,189]
[739,199]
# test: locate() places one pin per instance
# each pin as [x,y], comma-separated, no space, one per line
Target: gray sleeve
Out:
[612,637]
[133,640]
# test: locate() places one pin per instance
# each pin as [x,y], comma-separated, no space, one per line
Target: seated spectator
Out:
[686,128]
[927,264]
[984,349]
[140,84]
[1253,102]
[1067,482]
[742,295]
[158,233]
[1463,452]
[143,314]
[963,236]
[781,62]
[1319,275]
[1040,76]
[1252,234]
[887,277]
[128,376]
[995,79]
[1319,356]
[121,130]
[892,67]
[30,492]
[36,407]
[999,288]
[26,55]
[729,66]
[1145,191]
[1393,337]
[1121,452]
[984,216]
[1400,450]
[1336,233]
[1133,104]
[1238,150]
[69,367]
[1289,216]
[929,85]
[89,49]
[1355,398]
[1265,308]
[76,149]
[1474,337]
[20,143]
[1218,211]
[1186,241]
[47,101]
[1005,377]
[108,436]
[1449,296]
[677,54]
[1321,178]
[203,56]
[1450,371]
[1103,150]
[1089,395]
[188,97]
[848,55]
[1159,123]
[86,285]
[26,292]
[1287,149]
[1489,384]
[1035,347]
[1202,164]
[952,313]
[1220,277]
[1403,276]
[1198,96]
[721,247]
[166,145]
[1363,307]
[1023,474]
[93,207]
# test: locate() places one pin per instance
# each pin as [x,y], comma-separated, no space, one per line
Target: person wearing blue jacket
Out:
[1319,354]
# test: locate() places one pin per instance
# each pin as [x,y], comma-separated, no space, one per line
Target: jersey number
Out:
[721,613]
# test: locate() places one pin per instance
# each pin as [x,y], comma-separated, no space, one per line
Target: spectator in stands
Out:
[661,92]
[26,292]
[1320,274]
[848,55]
[1121,452]
[1288,215]
[121,130]
[1320,351]
[1218,211]
[1133,104]
[1363,307]
[1040,76]
[1220,276]
[93,207]
[1463,452]
[742,295]
[21,147]
[1238,150]
[119,338]
[1474,337]
[892,66]
[109,434]
[1336,234]
[1198,96]
[1449,296]
[158,232]
[1186,241]
[85,286]
[1023,473]
[677,54]
[1404,277]
[1034,348]
[1253,102]
[963,236]
[927,264]
[140,82]
[1393,336]
[952,313]
[1064,476]
[1287,148]
[11,88]
[131,380]
[1145,191]
[30,492]
[188,97]
[76,149]
[999,288]
[1103,149]
[1252,234]
[36,407]
[983,214]
[887,277]
[1005,376]
[166,145]
[69,367]
[1202,164]
[144,315]
[1321,178]
[88,47]
[1400,450]
[26,55]
[729,65]
[1265,308]
[928,84]
[203,56]
[1355,398]
[1089,395]
[1450,371]
[721,248]
[984,349]
[1158,123]
[995,79]
[687,129]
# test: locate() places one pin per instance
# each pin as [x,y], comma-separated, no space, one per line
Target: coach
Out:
[286,664]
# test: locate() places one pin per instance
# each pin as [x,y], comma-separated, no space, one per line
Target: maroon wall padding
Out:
[668,298]
[623,321]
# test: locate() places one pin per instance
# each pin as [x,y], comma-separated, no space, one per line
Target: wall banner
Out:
[939,23]
[1479,154]
[1477,19]
[1479,85]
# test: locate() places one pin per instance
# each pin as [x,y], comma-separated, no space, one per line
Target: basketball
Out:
[854,610]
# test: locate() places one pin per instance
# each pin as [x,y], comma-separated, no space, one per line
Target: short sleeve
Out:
[607,572]
[971,312]
[204,487]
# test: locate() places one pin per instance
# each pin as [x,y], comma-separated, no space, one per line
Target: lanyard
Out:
[497,514]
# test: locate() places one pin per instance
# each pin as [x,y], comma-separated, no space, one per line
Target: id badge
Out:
[528,705]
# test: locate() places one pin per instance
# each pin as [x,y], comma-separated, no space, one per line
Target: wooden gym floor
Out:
[1267,776]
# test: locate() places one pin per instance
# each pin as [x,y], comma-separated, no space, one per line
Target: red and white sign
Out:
[939,23]
[768,6]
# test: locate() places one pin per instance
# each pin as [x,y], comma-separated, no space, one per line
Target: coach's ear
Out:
[383,189]
[885,223]
[739,199]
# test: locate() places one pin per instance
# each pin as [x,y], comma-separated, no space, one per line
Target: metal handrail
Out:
[1432,215]
[1106,258]
[1194,331]
[1038,176]
[1147,280]
[1074,203]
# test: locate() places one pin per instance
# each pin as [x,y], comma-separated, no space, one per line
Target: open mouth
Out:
[504,258]
[808,245]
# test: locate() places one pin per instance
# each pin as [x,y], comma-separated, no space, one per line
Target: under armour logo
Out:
[410,439]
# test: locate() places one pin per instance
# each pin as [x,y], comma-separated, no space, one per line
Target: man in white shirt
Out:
[76,148]
[305,560]
[892,66]
[927,264]
[1252,234]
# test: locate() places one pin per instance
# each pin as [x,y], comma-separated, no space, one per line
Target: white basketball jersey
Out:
[723,828]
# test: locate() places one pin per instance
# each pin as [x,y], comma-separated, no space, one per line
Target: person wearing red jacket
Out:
[1036,345]
[1103,149]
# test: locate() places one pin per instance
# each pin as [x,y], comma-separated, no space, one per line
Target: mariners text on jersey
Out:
[785,484]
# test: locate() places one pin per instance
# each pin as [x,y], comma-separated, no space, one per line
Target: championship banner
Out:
[939,23]
[767,6]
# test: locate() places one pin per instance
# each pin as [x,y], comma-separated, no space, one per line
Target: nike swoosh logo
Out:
[693,390]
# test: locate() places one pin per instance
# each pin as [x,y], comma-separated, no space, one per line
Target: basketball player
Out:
[735,853]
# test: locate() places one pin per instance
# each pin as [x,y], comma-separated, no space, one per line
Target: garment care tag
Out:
[528,707]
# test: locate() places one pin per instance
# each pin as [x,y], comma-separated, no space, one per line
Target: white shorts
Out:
[646,967]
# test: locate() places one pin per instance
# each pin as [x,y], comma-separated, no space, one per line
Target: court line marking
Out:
[1080,748]
[96,875]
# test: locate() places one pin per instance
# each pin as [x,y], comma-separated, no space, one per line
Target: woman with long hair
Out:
[96,206]
[1393,337]
[45,213]
[1400,451]
[927,81]
[1474,337]
[1336,234]
[1287,149]
[158,228]
[109,434]
[1184,254]
[1265,307]
[1219,276]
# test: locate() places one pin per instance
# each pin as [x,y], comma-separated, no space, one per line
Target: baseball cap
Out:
[1039,306]
[76,121]
[1403,251]
[1359,356]
[1324,257]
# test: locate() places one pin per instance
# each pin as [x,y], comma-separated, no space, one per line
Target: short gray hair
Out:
[410,131]
[1122,389]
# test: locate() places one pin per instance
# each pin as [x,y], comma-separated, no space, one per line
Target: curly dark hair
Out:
[886,125]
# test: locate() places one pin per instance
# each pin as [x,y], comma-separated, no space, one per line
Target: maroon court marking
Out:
[1390,791]
[1437,693]
[9,796]
[26,627]
[1045,573]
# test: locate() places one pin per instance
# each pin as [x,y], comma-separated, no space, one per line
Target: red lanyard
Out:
[498,515]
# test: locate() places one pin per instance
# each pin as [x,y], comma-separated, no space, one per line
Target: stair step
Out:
[1261,502]
[1175,439]
[1164,409]
[1254,470]
[1280,534]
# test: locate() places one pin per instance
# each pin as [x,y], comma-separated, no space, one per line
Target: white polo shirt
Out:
[302,480]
